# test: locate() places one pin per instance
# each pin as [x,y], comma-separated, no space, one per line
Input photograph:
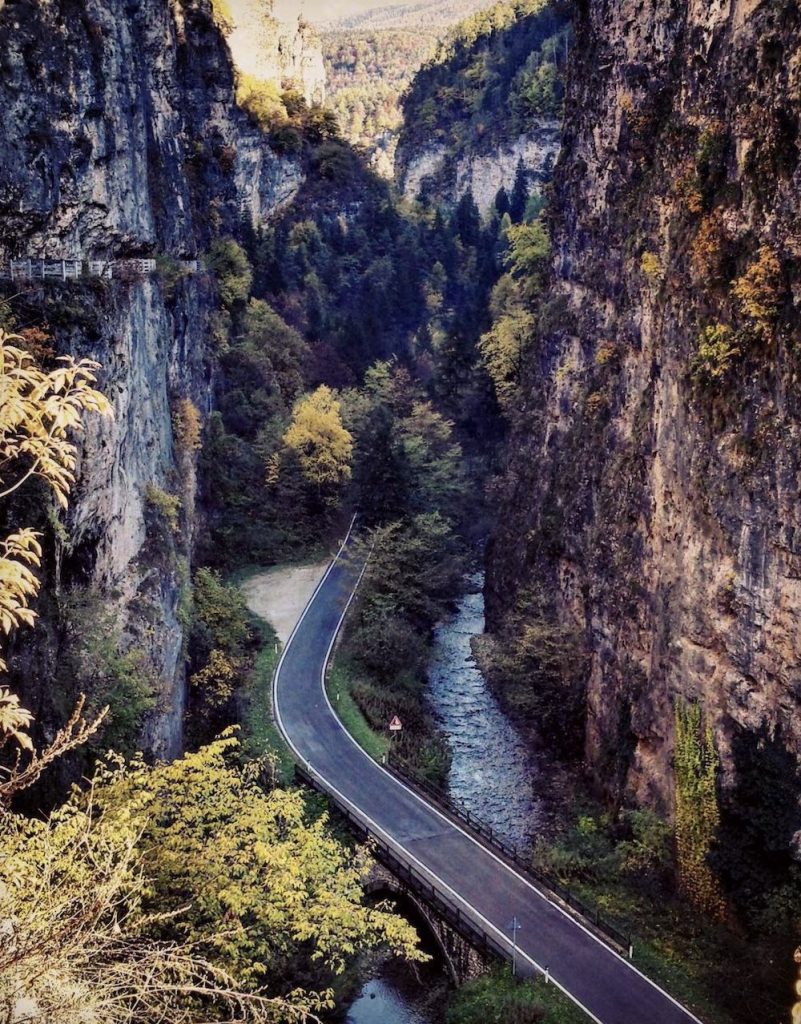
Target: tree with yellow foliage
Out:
[503,347]
[319,439]
[180,893]
[39,414]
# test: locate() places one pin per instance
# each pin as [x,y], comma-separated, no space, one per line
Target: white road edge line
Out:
[400,849]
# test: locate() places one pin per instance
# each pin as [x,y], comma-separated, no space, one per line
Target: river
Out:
[493,774]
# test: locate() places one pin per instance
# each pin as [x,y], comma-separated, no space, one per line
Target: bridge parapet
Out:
[439,903]
[462,960]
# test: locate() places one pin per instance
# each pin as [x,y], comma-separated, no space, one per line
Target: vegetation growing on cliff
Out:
[697,810]
[500,60]
[39,412]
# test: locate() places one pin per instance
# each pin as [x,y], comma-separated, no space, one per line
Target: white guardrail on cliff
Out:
[72,268]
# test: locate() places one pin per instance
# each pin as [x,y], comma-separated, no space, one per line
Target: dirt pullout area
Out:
[279,595]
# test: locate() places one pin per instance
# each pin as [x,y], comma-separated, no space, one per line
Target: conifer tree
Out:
[520,192]
[467,220]
[502,204]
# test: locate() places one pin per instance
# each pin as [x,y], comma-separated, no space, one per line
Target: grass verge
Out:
[260,734]
[339,685]
[500,998]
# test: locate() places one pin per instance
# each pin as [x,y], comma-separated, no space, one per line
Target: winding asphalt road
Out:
[606,986]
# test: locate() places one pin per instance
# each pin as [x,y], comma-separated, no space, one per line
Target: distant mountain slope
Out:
[372,57]
[489,99]
[430,15]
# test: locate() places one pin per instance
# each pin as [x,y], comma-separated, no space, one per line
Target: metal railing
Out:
[591,915]
[74,268]
[414,880]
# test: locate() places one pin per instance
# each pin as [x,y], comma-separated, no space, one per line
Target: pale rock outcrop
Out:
[290,55]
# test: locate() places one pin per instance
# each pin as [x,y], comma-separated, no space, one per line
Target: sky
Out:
[324,10]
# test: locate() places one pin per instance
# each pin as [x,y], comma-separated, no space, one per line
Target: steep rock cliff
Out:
[121,137]
[441,175]
[652,494]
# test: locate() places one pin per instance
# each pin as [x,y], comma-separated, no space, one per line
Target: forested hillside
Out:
[368,71]
[492,81]
[410,16]
[371,59]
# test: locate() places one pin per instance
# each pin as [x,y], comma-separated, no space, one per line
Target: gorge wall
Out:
[483,171]
[651,498]
[291,56]
[144,153]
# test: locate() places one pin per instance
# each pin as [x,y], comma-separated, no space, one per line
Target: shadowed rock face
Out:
[119,137]
[658,512]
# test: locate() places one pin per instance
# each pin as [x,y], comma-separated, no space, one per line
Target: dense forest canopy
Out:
[368,71]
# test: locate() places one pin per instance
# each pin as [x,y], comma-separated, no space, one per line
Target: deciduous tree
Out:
[320,440]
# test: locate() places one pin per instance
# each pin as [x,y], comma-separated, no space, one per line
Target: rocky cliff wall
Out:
[290,55]
[120,137]
[446,177]
[652,493]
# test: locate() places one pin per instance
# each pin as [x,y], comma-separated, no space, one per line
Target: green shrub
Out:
[220,615]
[166,506]
[538,666]
[228,261]
[262,100]
[111,673]
[711,149]
[333,161]
[718,351]
[171,272]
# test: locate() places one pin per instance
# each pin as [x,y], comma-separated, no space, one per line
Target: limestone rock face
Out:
[120,137]
[291,56]
[486,173]
[655,505]
[483,171]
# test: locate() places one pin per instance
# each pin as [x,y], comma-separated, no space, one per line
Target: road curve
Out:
[487,890]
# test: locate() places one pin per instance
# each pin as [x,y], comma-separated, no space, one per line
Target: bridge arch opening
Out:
[432,936]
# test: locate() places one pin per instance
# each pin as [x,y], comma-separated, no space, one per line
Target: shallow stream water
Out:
[493,774]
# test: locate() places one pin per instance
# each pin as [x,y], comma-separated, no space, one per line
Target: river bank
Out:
[492,772]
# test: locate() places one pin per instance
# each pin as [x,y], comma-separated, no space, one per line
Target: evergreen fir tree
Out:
[467,220]
[519,200]
[502,204]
